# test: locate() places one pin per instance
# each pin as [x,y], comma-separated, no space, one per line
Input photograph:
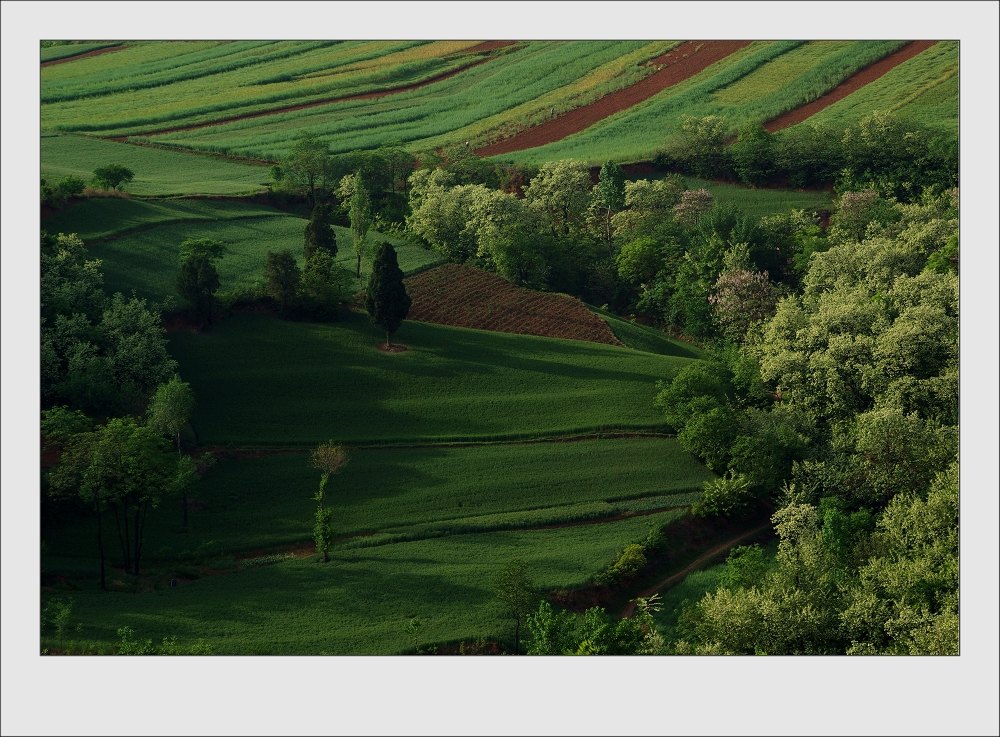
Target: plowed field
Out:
[454,294]
[683,62]
[849,85]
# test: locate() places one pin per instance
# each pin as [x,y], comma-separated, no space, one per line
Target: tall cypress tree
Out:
[386,299]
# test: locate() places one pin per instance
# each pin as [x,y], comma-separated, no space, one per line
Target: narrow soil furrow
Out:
[675,66]
[702,560]
[314,103]
[84,55]
[236,453]
[853,83]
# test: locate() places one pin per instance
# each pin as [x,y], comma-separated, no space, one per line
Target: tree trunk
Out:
[121,536]
[184,496]
[387,340]
[100,541]
[517,637]
[140,515]
[607,232]
[326,554]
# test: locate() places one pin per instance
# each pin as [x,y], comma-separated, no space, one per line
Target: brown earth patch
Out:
[76,57]
[487,46]
[673,67]
[455,294]
[391,347]
[315,103]
[853,83]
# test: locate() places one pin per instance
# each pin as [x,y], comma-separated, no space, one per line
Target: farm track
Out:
[852,84]
[702,560]
[454,294]
[227,452]
[328,101]
[84,55]
[677,65]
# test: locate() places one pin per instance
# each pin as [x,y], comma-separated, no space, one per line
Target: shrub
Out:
[724,496]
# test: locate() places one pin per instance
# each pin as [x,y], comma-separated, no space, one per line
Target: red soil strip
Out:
[455,294]
[314,103]
[75,57]
[486,46]
[853,83]
[673,67]
[703,559]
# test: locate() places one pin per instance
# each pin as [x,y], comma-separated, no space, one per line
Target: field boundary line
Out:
[853,83]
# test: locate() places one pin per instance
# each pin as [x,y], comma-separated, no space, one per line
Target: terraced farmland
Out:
[157,172]
[138,241]
[455,294]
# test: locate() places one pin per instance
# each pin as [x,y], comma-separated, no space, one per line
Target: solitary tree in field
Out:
[319,233]
[113,176]
[198,279]
[282,276]
[516,595]
[386,299]
[330,459]
[361,216]
[169,412]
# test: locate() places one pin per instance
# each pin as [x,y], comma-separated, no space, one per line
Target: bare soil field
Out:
[455,294]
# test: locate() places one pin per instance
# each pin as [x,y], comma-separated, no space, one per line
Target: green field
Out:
[138,241]
[316,382]
[157,172]
[382,600]
[62,50]
[762,201]
[629,134]
[427,117]
[923,89]
[386,494]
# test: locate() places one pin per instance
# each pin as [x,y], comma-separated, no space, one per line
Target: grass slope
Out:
[382,600]
[313,382]
[413,493]
[157,172]
[138,241]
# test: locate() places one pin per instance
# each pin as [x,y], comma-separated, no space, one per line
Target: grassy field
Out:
[382,600]
[66,49]
[246,504]
[155,85]
[138,241]
[924,89]
[629,135]
[649,339]
[316,382]
[424,118]
[157,172]
[764,200]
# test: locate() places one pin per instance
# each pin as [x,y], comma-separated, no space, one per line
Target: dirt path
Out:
[683,62]
[853,83]
[699,562]
[84,55]
[331,100]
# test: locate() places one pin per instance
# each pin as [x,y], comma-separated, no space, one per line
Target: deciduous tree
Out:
[330,459]
[113,176]
[282,276]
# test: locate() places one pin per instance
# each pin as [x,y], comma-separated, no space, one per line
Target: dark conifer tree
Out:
[386,299]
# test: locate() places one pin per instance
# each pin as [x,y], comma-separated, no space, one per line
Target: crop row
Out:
[419,118]
[639,131]
[461,295]
[924,88]
[241,85]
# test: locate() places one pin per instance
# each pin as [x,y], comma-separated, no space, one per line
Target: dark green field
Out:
[315,382]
